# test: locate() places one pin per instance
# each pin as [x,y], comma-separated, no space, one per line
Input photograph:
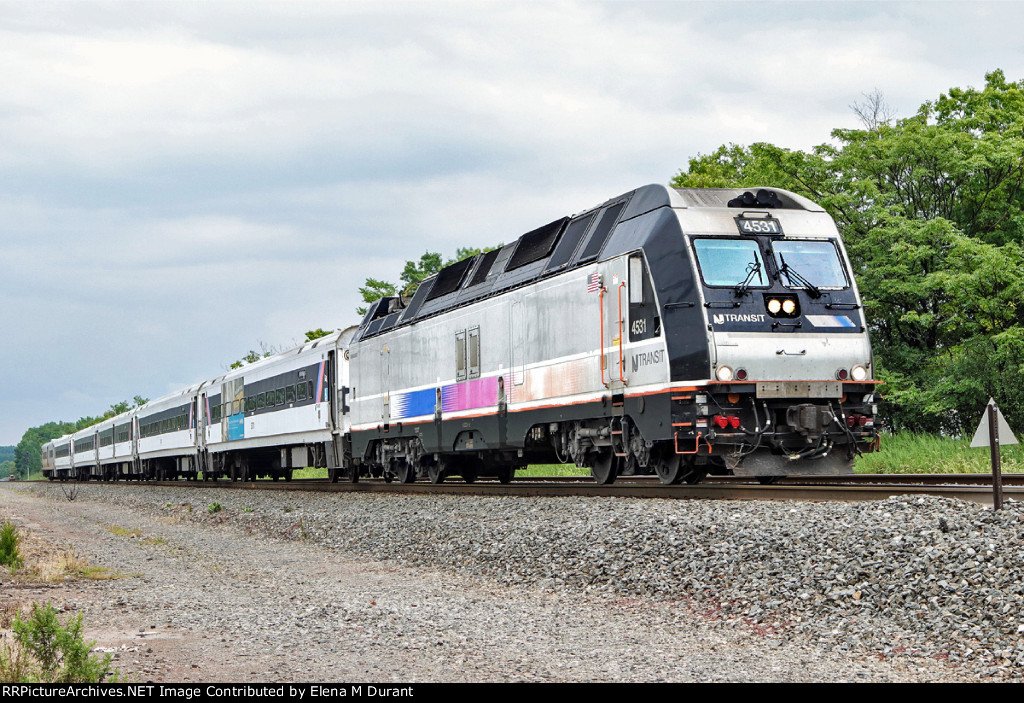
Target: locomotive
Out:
[673,331]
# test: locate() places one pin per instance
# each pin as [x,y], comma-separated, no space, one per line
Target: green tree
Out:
[930,207]
[375,289]
[122,407]
[27,458]
[317,334]
[253,356]
[414,272]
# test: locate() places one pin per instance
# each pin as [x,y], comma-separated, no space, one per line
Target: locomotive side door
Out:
[385,381]
[614,298]
[517,344]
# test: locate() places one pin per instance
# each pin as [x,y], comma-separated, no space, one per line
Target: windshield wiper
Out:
[795,277]
[753,269]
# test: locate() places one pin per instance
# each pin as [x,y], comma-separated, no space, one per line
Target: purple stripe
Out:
[479,393]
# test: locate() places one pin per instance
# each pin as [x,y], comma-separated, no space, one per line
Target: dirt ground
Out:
[176,601]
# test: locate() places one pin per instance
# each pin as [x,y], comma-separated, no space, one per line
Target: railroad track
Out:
[860,487]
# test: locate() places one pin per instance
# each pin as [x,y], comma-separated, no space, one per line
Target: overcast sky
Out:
[180,181]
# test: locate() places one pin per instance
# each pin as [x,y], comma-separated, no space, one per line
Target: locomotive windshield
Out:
[730,262]
[809,264]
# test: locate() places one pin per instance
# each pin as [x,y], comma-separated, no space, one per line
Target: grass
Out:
[910,453]
[553,470]
[904,453]
[133,533]
[40,561]
[309,473]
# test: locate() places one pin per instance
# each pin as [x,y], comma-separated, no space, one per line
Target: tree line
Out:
[27,459]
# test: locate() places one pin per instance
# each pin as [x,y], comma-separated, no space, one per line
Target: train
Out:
[678,332]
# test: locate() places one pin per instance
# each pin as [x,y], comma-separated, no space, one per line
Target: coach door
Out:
[332,383]
[201,423]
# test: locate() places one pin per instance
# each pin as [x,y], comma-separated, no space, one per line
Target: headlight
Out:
[788,306]
[774,306]
[724,373]
[859,373]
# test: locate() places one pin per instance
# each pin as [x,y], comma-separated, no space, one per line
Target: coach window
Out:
[261,401]
[301,391]
[309,386]
[289,394]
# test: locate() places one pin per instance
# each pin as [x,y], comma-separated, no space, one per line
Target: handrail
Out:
[600,300]
[696,450]
[622,362]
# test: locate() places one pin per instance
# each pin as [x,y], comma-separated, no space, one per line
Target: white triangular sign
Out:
[981,438]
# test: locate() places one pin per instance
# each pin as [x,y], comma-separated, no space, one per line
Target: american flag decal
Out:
[594,283]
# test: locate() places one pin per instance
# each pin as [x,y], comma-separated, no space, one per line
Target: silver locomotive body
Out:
[664,331]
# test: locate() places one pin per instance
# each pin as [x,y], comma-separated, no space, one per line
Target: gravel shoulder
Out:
[303,587]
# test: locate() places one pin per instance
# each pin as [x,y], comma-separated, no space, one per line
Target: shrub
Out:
[47,652]
[10,555]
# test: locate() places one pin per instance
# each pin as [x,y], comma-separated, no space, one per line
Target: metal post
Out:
[993,443]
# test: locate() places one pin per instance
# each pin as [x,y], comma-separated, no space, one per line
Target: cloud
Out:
[182,180]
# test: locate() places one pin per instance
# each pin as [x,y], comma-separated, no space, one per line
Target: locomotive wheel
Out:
[405,472]
[506,473]
[694,474]
[605,467]
[669,468]
[469,468]
[436,471]
[333,475]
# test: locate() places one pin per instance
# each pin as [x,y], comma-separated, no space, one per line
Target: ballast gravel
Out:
[239,585]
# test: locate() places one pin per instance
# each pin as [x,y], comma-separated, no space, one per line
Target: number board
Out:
[758,225]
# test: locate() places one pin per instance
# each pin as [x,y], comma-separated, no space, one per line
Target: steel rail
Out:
[716,490]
